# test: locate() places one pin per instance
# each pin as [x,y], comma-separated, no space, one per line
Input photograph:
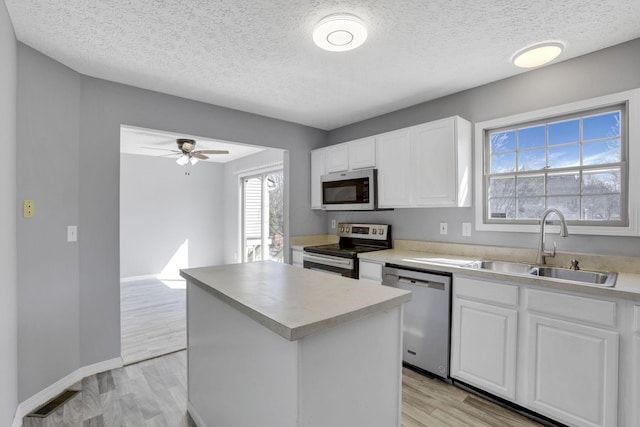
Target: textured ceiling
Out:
[258,56]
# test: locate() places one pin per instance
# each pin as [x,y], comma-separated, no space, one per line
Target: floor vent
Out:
[51,406]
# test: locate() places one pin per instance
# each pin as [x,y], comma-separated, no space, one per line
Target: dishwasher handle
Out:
[423,283]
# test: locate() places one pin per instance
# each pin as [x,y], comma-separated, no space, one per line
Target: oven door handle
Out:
[321,259]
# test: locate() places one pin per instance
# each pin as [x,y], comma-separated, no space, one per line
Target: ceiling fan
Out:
[188,153]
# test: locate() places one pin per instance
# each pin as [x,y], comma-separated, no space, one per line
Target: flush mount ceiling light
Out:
[538,54]
[340,32]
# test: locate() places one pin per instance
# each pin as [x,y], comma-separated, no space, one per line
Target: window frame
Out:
[631,99]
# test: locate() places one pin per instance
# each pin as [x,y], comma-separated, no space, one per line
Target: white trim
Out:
[195,416]
[632,98]
[269,167]
[61,385]
[138,278]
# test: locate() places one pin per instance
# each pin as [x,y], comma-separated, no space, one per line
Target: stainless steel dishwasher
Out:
[427,317]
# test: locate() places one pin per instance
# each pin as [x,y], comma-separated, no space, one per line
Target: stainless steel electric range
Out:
[342,258]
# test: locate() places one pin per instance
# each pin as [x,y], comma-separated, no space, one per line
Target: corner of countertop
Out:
[299,242]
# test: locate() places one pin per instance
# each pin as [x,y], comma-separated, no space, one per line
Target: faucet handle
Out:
[554,250]
[574,264]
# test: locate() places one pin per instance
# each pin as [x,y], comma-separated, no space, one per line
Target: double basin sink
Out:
[597,278]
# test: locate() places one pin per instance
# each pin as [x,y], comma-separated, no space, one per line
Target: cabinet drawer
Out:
[370,270]
[636,319]
[573,307]
[480,290]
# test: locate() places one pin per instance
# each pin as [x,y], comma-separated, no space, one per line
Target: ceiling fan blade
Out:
[161,149]
[199,155]
[213,151]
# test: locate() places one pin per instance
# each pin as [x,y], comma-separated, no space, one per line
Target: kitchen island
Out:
[274,345]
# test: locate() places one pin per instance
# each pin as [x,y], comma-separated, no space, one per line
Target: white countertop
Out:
[627,285]
[292,301]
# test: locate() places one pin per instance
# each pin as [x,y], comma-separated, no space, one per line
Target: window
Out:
[575,158]
[262,217]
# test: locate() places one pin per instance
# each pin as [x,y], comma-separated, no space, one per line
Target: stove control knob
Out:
[374,231]
[347,229]
[381,231]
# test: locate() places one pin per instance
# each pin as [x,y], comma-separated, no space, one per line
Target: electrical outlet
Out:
[443,227]
[333,223]
[72,233]
[466,229]
[28,208]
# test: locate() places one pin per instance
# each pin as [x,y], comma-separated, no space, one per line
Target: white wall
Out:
[8,208]
[232,207]
[161,207]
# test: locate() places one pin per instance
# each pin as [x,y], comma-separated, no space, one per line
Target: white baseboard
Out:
[138,278]
[61,385]
[195,416]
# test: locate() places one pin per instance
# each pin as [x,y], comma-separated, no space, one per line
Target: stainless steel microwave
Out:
[350,191]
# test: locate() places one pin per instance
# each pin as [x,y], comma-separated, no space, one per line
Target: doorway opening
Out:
[177,215]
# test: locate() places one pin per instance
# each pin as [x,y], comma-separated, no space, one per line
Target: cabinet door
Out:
[362,153]
[572,372]
[337,158]
[370,271]
[394,174]
[433,157]
[318,161]
[483,346]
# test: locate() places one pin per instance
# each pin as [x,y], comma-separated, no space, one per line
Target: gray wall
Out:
[80,141]
[232,199]
[607,71]
[161,207]
[8,210]
[47,172]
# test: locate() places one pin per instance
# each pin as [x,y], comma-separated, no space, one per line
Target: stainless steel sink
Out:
[501,266]
[589,277]
[597,278]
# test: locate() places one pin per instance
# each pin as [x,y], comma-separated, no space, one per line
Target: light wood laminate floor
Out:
[152,393]
[153,318]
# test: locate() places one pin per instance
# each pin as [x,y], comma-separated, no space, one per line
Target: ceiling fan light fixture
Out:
[183,160]
[537,54]
[340,32]
[193,160]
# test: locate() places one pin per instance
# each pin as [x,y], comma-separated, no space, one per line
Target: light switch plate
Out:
[333,223]
[72,233]
[466,229]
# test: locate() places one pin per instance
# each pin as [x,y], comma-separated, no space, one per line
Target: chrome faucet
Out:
[542,252]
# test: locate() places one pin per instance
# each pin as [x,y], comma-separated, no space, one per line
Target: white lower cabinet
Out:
[636,365]
[572,372]
[555,353]
[296,257]
[484,340]
[370,271]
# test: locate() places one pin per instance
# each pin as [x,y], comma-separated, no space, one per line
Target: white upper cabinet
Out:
[362,153]
[431,162]
[337,158]
[394,175]
[318,168]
